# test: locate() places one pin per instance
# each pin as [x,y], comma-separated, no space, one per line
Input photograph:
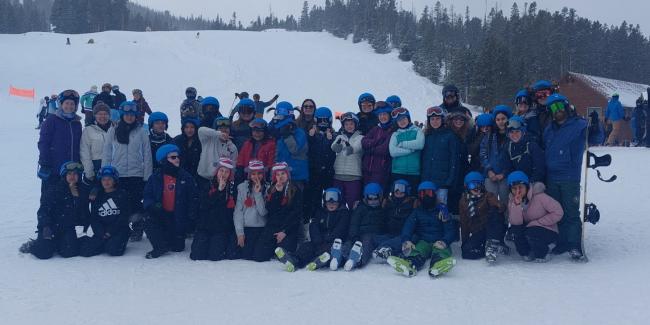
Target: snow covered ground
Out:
[611,289]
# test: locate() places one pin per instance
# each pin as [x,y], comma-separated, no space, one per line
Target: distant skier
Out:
[191,107]
[260,106]
[119,97]
[640,121]
[87,105]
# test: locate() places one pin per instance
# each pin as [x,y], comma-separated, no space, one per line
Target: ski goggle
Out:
[556,107]
[398,187]
[108,172]
[332,196]
[372,197]
[435,111]
[450,94]
[521,100]
[425,193]
[475,186]
[222,123]
[348,117]
[129,109]
[543,93]
[322,121]
[70,94]
[515,125]
[71,167]
[400,111]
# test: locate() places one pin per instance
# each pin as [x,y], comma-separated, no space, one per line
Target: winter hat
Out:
[210,101]
[190,120]
[485,119]
[518,177]
[502,109]
[225,162]
[255,165]
[69,94]
[366,97]
[382,107]
[473,180]
[71,166]
[394,101]
[283,110]
[449,90]
[101,107]
[164,150]
[108,171]
[280,166]
[158,116]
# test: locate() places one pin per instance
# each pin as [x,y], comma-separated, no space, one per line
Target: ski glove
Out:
[44,172]
[407,247]
[440,245]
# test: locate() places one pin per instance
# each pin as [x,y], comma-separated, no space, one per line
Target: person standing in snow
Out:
[190,107]
[523,104]
[440,153]
[42,112]
[347,165]
[492,154]
[542,90]
[522,153]
[564,141]
[306,120]
[260,106]
[127,148]
[405,148]
[367,117]
[141,103]
[171,200]
[321,160]
[534,216]
[190,146]
[376,161]
[259,147]
[458,123]
[93,138]
[158,124]
[209,111]
[639,121]
[109,217]
[87,105]
[291,144]
[108,99]
[615,115]
[241,130]
[215,144]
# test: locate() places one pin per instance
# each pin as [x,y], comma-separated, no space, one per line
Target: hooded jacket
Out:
[564,148]
[132,159]
[212,148]
[440,157]
[348,157]
[59,141]
[541,210]
[92,148]
[376,161]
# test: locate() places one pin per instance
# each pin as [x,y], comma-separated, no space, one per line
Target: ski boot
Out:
[319,262]
[402,266]
[26,247]
[441,267]
[382,254]
[335,254]
[355,256]
[286,259]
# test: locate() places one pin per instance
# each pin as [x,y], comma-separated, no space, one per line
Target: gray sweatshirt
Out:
[244,216]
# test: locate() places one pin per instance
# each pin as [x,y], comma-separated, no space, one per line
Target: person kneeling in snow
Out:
[170,199]
[64,206]
[215,235]
[481,221]
[534,216]
[366,222]
[431,227]
[109,217]
[329,222]
[250,210]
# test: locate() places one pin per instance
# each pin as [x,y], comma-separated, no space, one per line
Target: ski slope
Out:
[611,289]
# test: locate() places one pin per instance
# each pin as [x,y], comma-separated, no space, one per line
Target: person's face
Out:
[281,177]
[256,176]
[256,98]
[458,122]
[399,194]
[108,183]
[560,116]
[189,130]
[158,126]
[223,173]
[542,96]
[450,99]
[501,120]
[435,121]
[258,135]
[486,129]
[403,122]
[129,118]
[102,117]
[349,126]
[137,96]
[367,107]
[224,129]
[68,106]
[522,107]
[308,108]
[384,118]
[106,89]
[72,177]
[174,159]
[331,206]
[246,114]
[515,135]
[520,189]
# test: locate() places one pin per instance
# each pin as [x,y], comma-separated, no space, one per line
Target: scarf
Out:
[123,130]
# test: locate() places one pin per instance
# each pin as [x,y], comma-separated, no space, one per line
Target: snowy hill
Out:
[611,289]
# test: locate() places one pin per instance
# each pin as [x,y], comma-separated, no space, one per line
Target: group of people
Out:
[620,127]
[381,187]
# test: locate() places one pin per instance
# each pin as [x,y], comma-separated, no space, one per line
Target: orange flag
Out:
[27,93]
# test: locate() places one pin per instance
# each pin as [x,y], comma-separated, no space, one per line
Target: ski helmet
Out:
[517,123]
[485,119]
[349,116]
[69,94]
[109,171]
[502,109]
[283,110]
[71,166]
[402,186]
[190,120]
[221,122]
[246,104]
[399,113]
[557,102]
[474,180]
[436,111]
[394,101]
[323,113]
[517,177]
[258,124]
[158,116]
[129,108]
[210,101]
[383,107]
[332,194]
[190,93]
[164,150]
[449,90]
[372,194]
[542,85]
[427,189]
[366,97]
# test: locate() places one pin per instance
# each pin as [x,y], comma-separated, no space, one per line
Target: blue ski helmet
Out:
[246,102]
[129,108]
[366,97]
[522,96]
[485,119]
[108,171]
[164,150]
[542,84]
[323,112]
[157,116]
[71,166]
[473,180]
[427,185]
[394,101]
[283,110]
[518,177]
[372,189]
[503,109]
[210,101]
[402,186]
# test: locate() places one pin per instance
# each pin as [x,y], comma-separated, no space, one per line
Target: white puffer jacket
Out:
[348,157]
[92,147]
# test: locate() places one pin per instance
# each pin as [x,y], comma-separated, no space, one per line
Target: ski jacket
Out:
[376,163]
[216,209]
[284,209]
[527,157]
[396,214]
[367,121]
[492,154]
[106,98]
[59,141]
[157,141]
[487,206]
[405,147]
[92,148]
[263,151]
[212,148]
[533,127]
[109,213]
[143,107]
[86,100]
[186,199]
[119,98]
[250,209]
[132,159]
[615,111]
[190,153]
[565,145]
[321,156]
[474,150]
[440,157]
[325,226]
[60,210]
[541,210]
[293,150]
[428,225]
[348,152]
[365,220]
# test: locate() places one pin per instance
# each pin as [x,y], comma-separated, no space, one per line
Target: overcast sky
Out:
[610,12]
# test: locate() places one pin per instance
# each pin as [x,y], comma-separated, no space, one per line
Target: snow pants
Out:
[134,187]
[423,250]
[213,246]
[95,245]
[368,245]
[162,233]
[474,247]
[568,194]
[308,251]
[533,240]
[266,244]
[500,189]
[64,242]
[351,191]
